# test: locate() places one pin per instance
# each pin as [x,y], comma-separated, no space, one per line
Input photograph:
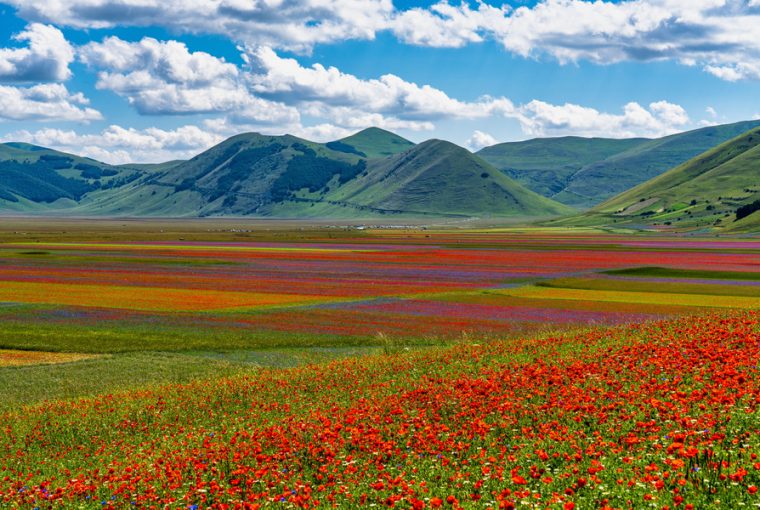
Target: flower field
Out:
[409,369]
[661,414]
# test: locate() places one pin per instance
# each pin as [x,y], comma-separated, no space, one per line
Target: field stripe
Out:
[143,298]
[15,358]
[656,298]
[187,247]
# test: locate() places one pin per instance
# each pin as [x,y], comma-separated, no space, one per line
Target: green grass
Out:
[377,143]
[582,172]
[702,194]
[622,285]
[438,177]
[113,373]
[547,165]
[48,328]
[621,172]
[144,370]
[667,272]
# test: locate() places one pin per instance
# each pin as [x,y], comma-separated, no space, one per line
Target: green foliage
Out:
[90,171]
[748,209]
[313,172]
[668,272]
[39,181]
[239,168]
[344,147]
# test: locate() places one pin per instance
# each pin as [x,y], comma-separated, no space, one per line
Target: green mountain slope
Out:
[438,177]
[285,176]
[585,172]
[603,180]
[372,143]
[704,192]
[546,165]
[34,178]
[243,175]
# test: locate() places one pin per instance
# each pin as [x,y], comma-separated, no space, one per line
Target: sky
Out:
[154,80]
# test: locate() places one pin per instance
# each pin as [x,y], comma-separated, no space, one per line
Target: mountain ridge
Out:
[703,193]
[251,174]
[588,183]
[371,173]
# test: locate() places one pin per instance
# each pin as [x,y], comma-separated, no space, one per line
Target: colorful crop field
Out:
[407,368]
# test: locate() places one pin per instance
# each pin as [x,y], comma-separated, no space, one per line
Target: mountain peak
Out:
[374,143]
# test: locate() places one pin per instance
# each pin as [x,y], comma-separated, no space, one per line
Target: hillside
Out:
[546,165]
[243,175]
[372,143]
[285,176]
[704,192]
[538,163]
[34,178]
[438,177]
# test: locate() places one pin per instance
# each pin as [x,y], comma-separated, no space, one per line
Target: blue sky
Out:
[107,79]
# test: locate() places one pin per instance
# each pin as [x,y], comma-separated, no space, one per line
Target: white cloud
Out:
[721,36]
[284,79]
[45,58]
[479,139]
[117,144]
[50,101]
[711,112]
[164,77]
[292,24]
[538,118]
[446,25]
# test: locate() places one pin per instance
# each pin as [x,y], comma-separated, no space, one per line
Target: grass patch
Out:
[16,358]
[171,335]
[103,375]
[89,376]
[622,296]
[617,285]
[667,272]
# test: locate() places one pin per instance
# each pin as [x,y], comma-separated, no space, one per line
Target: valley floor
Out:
[224,362]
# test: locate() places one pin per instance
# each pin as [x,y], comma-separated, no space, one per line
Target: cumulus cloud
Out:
[51,101]
[538,118]
[721,36]
[291,24]
[163,77]
[336,92]
[117,144]
[46,56]
[479,139]
[446,25]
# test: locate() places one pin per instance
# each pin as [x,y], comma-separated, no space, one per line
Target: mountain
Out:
[438,177]
[372,143]
[285,176]
[244,175]
[704,192]
[34,178]
[545,165]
